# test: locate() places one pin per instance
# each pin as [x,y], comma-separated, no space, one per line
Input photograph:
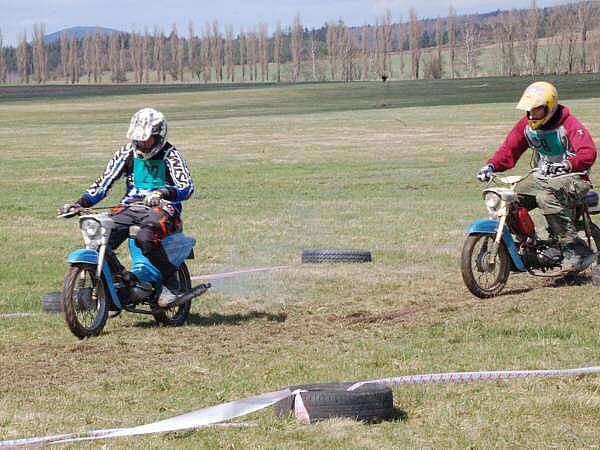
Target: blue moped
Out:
[91,291]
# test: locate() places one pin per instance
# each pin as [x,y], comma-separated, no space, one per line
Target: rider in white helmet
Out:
[156,174]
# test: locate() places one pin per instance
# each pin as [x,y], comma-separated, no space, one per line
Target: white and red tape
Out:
[217,414]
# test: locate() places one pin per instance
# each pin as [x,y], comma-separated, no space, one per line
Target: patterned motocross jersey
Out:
[175,177]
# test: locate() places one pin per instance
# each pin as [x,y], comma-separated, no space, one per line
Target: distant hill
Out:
[79,33]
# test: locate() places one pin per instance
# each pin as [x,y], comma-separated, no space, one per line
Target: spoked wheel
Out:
[177,315]
[84,301]
[483,277]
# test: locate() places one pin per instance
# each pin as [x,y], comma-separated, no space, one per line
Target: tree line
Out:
[560,39]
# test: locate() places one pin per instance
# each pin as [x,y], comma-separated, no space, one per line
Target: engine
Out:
[542,256]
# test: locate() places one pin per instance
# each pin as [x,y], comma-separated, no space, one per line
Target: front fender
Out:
[490,226]
[87,256]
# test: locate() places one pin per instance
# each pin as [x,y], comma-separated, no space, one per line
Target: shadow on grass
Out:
[234,319]
[223,319]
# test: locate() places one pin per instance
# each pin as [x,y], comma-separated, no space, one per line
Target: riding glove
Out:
[485,173]
[70,208]
[153,199]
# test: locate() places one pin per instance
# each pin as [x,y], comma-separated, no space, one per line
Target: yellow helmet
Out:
[540,93]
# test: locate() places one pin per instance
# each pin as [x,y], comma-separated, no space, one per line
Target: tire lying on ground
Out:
[370,402]
[320,255]
[51,302]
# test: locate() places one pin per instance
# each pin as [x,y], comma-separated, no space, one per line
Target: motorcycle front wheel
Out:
[177,315]
[483,277]
[84,301]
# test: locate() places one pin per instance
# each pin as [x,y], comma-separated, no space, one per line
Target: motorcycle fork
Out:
[503,214]
[101,255]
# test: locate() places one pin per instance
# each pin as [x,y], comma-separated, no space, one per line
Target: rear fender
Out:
[87,256]
[489,226]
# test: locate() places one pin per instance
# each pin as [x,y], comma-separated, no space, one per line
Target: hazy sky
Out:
[125,15]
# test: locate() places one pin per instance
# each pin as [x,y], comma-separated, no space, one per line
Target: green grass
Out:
[280,169]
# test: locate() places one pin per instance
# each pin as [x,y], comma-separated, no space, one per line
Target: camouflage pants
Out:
[557,198]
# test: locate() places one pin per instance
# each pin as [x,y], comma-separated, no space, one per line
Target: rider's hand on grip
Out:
[153,199]
[69,209]
[485,173]
[550,169]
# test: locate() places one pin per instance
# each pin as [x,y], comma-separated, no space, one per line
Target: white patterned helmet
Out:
[145,123]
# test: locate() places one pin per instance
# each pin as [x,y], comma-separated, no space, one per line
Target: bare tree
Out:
[87,57]
[570,28]
[22,58]
[296,47]
[3,66]
[452,41]
[364,52]
[217,51]
[191,45]
[531,34]
[98,58]
[229,53]
[471,38]
[332,37]
[345,47]
[401,41]
[314,53]
[205,53]
[252,54]
[263,51]
[64,56]
[585,12]
[176,63]
[414,37]
[243,55]
[594,53]
[39,56]
[383,44]
[277,47]
[436,62]
[146,55]
[159,55]
[73,61]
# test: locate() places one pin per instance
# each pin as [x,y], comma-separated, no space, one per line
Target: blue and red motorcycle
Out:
[91,291]
[507,241]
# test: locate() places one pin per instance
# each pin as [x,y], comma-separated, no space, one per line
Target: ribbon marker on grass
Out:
[217,414]
[461,377]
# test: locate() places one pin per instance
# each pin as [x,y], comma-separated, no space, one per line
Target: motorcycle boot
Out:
[170,291]
[577,256]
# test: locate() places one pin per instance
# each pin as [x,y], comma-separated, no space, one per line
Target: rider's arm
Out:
[511,149]
[115,169]
[182,186]
[582,144]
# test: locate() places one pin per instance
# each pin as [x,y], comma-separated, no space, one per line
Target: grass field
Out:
[279,169]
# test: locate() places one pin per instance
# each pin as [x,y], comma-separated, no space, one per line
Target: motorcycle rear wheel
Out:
[85,315]
[481,278]
[177,315]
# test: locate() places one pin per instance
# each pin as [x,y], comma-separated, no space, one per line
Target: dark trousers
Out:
[155,224]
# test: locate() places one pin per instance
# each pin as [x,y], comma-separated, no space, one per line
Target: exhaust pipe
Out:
[191,294]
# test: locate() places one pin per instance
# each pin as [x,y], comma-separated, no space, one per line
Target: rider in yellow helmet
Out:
[561,146]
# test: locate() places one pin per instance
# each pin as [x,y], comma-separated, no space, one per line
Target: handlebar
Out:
[89,210]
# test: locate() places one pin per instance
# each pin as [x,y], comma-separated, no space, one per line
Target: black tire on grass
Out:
[335,256]
[370,402]
[51,302]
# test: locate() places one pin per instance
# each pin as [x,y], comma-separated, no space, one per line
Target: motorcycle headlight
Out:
[91,229]
[492,200]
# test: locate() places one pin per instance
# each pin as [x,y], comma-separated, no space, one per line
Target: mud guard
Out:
[489,226]
[87,256]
